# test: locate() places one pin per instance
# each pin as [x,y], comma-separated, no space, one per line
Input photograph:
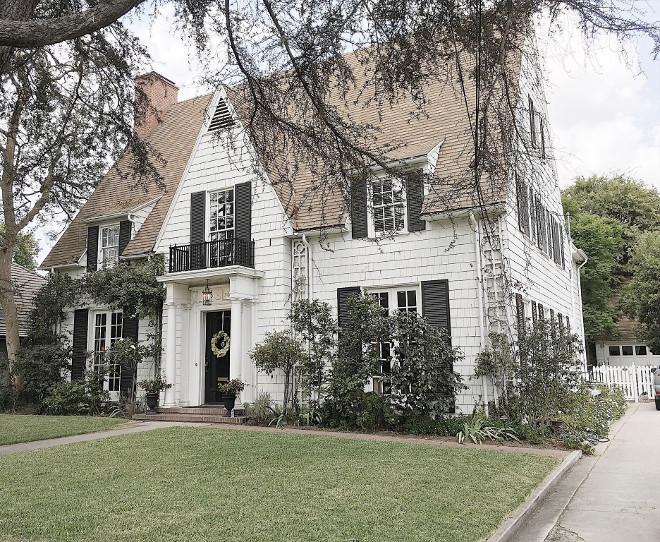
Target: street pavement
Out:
[612,496]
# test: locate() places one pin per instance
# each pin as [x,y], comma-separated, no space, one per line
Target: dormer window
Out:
[388,206]
[109,245]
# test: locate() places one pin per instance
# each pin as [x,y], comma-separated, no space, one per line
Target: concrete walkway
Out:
[612,496]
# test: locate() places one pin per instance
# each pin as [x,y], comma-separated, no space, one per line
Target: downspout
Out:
[310,287]
[586,259]
[477,255]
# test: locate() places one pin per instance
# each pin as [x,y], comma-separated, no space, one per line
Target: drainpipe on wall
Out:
[477,252]
[586,259]
[310,287]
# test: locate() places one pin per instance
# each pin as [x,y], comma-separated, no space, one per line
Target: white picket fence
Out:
[633,379]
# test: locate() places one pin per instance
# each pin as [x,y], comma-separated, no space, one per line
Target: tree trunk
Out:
[8,304]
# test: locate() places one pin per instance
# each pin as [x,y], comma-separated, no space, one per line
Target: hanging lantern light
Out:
[207,294]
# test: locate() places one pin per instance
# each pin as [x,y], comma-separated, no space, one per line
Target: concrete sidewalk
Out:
[612,496]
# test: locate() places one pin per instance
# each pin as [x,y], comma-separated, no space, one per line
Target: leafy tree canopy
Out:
[26,248]
[642,294]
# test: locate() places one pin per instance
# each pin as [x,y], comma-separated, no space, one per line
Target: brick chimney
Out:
[157,95]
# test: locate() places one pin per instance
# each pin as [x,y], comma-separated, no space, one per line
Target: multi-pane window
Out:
[391,300]
[109,245]
[532,122]
[221,227]
[108,329]
[221,215]
[388,205]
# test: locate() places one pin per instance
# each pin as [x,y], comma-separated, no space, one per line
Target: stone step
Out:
[194,418]
[201,410]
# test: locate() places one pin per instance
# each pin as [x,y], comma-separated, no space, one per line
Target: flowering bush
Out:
[154,385]
[233,386]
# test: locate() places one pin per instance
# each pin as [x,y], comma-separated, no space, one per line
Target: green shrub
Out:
[375,412]
[441,427]
[261,411]
[78,397]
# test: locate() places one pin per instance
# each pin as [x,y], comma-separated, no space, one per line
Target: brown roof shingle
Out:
[174,139]
[26,283]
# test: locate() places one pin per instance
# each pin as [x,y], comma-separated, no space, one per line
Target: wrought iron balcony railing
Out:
[211,254]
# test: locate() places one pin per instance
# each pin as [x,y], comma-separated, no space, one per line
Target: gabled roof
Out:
[26,283]
[174,139]
[401,127]
[408,133]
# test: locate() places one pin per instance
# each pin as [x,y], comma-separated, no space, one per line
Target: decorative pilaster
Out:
[170,356]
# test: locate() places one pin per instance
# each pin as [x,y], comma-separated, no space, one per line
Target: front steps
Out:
[208,414]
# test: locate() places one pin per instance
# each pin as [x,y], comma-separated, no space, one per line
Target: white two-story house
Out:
[239,250]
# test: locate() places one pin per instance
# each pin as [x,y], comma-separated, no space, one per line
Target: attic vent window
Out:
[221,117]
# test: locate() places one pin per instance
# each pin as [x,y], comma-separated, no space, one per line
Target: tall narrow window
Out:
[532,122]
[109,245]
[221,227]
[542,135]
[107,330]
[388,205]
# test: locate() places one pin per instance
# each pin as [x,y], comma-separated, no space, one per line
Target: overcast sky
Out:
[604,113]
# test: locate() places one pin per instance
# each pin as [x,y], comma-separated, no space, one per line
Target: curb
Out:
[510,525]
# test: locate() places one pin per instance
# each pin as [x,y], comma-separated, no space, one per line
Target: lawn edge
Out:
[508,528]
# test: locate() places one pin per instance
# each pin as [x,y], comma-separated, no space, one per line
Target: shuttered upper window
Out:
[389,208]
[221,215]
[109,245]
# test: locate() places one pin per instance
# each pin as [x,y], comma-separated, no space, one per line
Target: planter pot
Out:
[152,402]
[229,400]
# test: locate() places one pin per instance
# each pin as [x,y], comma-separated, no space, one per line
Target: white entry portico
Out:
[185,330]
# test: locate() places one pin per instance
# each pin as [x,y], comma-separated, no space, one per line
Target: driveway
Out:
[612,496]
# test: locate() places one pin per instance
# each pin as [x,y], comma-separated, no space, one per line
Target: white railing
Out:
[632,378]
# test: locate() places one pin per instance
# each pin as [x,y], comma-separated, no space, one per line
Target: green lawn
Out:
[19,428]
[186,483]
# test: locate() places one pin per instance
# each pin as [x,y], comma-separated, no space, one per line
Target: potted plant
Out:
[229,391]
[152,389]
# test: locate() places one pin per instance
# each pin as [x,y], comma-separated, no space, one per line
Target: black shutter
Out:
[520,313]
[129,331]
[125,227]
[343,294]
[561,241]
[435,303]
[532,214]
[435,308]
[359,208]
[79,360]
[92,247]
[414,201]
[533,311]
[243,199]
[197,230]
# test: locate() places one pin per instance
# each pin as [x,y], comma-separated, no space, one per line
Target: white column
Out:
[170,356]
[186,361]
[236,337]
[249,393]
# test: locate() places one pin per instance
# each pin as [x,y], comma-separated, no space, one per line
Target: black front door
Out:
[217,369]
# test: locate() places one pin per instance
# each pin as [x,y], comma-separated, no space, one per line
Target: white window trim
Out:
[376,383]
[100,259]
[91,340]
[371,226]
[207,220]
